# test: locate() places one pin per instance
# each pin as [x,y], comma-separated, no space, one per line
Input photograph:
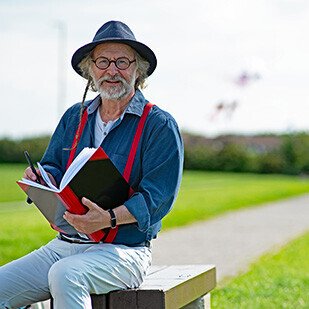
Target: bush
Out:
[232,158]
[271,162]
[12,151]
[291,156]
[295,153]
[199,158]
[229,158]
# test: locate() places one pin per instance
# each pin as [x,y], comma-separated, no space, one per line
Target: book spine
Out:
[71,201]
[74,205]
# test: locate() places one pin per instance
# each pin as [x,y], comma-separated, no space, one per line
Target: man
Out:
[71,267]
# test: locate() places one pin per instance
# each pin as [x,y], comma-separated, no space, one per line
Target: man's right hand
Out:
[28,174]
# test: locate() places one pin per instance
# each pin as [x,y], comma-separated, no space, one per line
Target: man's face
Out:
[112,82]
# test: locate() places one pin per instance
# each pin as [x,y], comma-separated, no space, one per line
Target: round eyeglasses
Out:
[121,63]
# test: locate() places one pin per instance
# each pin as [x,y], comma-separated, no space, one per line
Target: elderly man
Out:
[119,119]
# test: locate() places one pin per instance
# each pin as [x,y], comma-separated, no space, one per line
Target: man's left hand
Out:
[95,219]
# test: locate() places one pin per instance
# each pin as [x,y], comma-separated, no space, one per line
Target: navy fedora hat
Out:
[115,31]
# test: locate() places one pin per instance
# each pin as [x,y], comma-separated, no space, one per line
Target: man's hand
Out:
[28,174]
[95,219]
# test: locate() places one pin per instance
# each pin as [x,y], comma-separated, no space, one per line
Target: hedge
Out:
[12,151]
[291,157]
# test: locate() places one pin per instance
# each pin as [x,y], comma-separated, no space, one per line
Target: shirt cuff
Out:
[137,206]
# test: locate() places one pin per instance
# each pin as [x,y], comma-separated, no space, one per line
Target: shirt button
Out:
[105,133]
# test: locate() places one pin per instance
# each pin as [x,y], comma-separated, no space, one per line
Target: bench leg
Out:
[99,301]
[200,303]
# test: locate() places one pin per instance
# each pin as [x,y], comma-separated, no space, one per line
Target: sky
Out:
[224,66]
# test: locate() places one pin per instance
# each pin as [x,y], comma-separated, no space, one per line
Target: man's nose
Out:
[112,69]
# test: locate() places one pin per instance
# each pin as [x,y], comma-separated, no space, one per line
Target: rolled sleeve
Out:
[137,206]
[162,163]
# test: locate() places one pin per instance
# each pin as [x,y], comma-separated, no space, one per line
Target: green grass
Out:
[9,174]
[204,195]
[23,229]
[279,280]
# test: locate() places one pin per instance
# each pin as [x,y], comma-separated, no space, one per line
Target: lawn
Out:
[23,229]
[202,195]
[9,174]
[277,280]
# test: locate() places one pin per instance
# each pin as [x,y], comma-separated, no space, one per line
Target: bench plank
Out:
[169,287]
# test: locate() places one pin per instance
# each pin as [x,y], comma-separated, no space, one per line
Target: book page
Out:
[45,177]
[76,165]
[37,185]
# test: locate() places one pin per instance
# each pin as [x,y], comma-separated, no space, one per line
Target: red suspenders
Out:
[77,136]
[128,168]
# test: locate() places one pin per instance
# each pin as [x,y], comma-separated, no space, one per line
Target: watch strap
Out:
[113,218]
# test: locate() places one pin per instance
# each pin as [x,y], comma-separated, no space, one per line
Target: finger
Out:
[28,174]
[70,218]
[66,216]
[89,204]
[69,215]
[41,180]
[51,177]
[25,175]
[77,221]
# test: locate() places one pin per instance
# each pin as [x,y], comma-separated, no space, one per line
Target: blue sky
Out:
[202,47]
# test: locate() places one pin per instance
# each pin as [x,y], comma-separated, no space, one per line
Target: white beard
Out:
[116,92]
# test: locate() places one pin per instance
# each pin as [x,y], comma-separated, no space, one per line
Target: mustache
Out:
[110,79]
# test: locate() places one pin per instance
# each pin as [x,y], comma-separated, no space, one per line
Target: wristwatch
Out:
[113,218]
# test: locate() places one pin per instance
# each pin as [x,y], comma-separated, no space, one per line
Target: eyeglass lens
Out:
[121,63]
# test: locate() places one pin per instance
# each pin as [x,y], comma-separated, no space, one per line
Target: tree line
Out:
[286,154]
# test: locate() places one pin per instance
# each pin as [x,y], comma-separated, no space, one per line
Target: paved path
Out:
[236,239]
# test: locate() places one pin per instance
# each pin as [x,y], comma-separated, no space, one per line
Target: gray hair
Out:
[141,63]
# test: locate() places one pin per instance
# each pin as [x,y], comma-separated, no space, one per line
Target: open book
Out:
[92,175]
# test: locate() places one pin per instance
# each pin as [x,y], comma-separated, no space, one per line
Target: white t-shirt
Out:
[101,129]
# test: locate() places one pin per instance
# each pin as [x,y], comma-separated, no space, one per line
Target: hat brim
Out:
[141,48]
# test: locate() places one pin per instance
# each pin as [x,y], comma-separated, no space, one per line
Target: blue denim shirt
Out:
[157,169]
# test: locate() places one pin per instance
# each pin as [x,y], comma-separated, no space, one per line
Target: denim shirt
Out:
[157,168]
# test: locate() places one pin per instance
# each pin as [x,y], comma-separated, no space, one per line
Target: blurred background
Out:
[223,66]
[231,73]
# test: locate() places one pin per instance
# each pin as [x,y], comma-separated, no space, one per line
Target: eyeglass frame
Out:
[114,61]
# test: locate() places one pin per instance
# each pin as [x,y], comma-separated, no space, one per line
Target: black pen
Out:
[32,166]
[29,201]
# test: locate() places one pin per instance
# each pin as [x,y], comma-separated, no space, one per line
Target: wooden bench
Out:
[165,287]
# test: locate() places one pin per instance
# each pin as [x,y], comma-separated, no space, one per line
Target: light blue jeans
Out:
[70,273]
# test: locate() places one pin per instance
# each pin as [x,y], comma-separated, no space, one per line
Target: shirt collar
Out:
[135,106]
